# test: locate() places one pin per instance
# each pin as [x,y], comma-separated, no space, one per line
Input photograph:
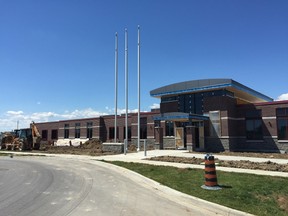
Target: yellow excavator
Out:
[22,139]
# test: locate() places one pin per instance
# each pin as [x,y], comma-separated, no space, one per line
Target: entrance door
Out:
[179,137]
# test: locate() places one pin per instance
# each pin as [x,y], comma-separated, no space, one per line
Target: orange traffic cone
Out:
[210,174]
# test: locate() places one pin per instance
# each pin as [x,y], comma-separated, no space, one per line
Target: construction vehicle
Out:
[21,139]
[9,141]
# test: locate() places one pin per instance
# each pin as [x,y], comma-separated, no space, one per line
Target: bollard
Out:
[145,149]
[210,174]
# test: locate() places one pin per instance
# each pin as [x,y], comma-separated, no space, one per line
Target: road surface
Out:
[36,186]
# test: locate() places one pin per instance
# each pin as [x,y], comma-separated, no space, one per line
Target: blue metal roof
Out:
[241,91]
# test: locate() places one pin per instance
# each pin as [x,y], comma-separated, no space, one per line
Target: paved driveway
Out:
[36,186]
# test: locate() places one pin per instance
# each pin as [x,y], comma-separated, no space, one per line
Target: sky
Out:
[57,56]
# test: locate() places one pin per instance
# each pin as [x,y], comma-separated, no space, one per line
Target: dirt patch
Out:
[254,154]
[282,201]
[268,166]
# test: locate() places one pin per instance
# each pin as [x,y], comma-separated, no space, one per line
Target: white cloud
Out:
[85,113]
[155,106]
[12,119]
[282,97]
[14,113]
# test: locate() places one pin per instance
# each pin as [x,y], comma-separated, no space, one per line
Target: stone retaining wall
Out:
[113,147]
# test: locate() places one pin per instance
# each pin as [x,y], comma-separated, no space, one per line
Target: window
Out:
[169,128]
[89,134]
[112,133]
[191,103]
[129,133]
[54,134]
[168,99]
[66,131]
[44,134]
[282,123]
[77,130]
[254,125]
[143,128]
[215,125]
[157,123]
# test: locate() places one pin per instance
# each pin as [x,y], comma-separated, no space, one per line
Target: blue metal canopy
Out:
[179,116]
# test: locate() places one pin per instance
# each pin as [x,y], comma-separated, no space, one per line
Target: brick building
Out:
[199,115]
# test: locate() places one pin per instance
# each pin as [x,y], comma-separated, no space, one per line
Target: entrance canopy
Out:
[180,116]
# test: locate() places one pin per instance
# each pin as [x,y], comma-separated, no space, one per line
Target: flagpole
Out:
[138,141]
[126,91]
[116,86]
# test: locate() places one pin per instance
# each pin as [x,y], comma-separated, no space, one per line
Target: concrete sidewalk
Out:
[139,157]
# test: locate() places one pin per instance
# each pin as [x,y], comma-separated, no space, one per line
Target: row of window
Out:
[89,130]
[253,120]
[112,133]
[193,103]
[54,133]
[254,124]
[254,130]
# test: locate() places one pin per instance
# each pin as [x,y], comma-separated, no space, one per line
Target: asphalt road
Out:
[36,186]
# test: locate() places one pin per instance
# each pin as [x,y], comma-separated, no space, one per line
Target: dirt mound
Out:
[254,154]
[174,159]
[268,166]
[91,147]
[91,144]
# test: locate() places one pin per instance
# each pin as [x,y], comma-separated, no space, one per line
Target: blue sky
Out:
[57,56]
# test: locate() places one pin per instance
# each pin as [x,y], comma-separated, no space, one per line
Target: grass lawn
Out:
[255,194]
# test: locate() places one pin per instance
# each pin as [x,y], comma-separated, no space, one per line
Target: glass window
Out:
[157,123]
[254,129]
[112,133]
[215,125]
[143,128]
[282,123]
[66,131]
[191,103]
[169,126]
[254,125]
[129,133]
[77,130]
[168,99]
[44,134]
[89,133]
[54,134]
[282,112]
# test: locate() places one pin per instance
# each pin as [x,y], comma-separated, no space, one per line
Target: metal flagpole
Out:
[138,142]
[126,91]
[116,85]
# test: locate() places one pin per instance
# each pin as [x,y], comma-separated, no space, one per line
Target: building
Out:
[201,115]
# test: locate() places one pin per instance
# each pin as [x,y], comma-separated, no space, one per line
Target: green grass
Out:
[259,195]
